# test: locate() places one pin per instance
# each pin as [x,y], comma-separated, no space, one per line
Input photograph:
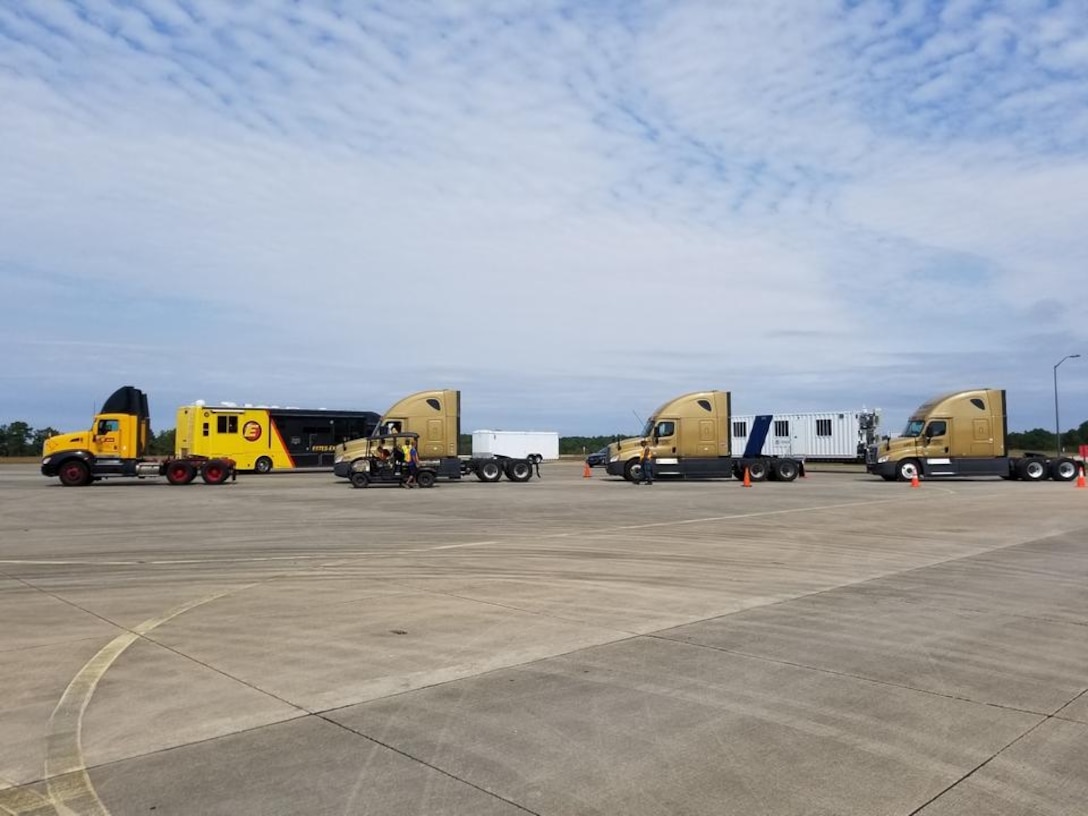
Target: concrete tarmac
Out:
[287,644]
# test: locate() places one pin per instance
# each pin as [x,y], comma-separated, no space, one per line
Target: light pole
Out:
[1057,421]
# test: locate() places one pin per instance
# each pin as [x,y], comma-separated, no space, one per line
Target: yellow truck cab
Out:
[962,433]
[690,437]
[435,417]
[116,445]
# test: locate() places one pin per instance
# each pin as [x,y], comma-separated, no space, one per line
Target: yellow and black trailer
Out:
[264,439]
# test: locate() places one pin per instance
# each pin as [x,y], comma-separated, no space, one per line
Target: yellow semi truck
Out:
[961,434]
[116,446]
[690,438]
[435,416]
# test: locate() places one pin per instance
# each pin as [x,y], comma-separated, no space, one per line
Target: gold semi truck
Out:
[690,438]
[116,446]
[435,417]
[961,434]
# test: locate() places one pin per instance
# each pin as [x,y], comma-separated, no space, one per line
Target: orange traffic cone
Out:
[914,482]
[747,478]
[586,472]
[1080,478]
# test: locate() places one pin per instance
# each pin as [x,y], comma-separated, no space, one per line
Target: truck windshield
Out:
[914,427]
[648,431]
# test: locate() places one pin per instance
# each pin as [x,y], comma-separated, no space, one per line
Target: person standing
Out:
[412,460]
[646,464]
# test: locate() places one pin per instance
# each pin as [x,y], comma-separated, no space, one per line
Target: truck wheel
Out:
[519,470]
[1063,470]
[180,473]
[906,470]
[360,479]
[74,473]
[214,472]
[632,471]
[488,471]
[425,478]
[785,470]
[263,465]
[1031,470]
[757,471]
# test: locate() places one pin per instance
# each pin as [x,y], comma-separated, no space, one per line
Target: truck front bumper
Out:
[882,468]
[614,468]
[342,469]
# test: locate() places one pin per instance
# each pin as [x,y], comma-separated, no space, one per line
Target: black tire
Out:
[1064,470]
[1032,469]
[74,473]
[359,479]
[489,470]
[632,471]
[786,470]
[757,471]
[907,469]
[180,473]
[263,465]
[426,478]
[215,472]
[519,470]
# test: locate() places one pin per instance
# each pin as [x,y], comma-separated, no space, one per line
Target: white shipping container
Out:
[516,444]
[815,436]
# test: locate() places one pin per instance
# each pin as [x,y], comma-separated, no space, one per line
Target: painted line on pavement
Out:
[66,777]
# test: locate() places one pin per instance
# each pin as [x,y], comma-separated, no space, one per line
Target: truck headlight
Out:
[615,458]
[339,458]
[45,461]
[882,460]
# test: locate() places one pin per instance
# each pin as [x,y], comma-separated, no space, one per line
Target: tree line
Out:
[20,439]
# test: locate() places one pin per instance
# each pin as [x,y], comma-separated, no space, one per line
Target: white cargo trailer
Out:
[828,436]
[536,446]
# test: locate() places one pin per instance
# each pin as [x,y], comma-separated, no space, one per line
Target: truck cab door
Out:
[107,437]
[935,438]
[666,439]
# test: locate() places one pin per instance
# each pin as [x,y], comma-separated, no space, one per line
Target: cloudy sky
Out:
[569,209]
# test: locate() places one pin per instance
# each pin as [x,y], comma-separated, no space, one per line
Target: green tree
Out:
[162,443]
[16,439]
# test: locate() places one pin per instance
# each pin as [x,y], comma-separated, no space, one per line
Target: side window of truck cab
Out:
[936,427]
[664,429]
[107,426]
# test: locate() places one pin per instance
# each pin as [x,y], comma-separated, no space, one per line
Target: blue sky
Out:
[568,210]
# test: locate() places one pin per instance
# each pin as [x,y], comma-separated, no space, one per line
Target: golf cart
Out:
[384,462]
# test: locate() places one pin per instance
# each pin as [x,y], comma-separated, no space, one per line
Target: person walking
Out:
[646,464]
[412,460]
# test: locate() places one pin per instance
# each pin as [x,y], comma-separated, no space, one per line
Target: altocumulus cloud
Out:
[567,209]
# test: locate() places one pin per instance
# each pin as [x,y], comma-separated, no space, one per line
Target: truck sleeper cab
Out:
[690,439]
[961,434]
